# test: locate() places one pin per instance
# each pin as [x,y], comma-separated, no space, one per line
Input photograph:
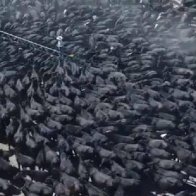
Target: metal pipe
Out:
[30,42]
[62,55]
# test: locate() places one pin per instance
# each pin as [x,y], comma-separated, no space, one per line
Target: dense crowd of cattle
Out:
[117,117]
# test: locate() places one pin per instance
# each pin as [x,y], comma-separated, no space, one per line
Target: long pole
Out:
[59,46]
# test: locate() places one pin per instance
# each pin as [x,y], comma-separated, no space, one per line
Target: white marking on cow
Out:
[36,168]
[111,48]
[65,12]
[165,194]
[34,122]
[193,179]
[183,172]
[90,179]
[108,131]
[190,183]
[94,17]
[74,154]
[5,147]
[156,26]
[13,161]
[159,16]
[163,135]
[28,177]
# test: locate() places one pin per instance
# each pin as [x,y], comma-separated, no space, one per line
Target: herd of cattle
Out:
[116,116]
